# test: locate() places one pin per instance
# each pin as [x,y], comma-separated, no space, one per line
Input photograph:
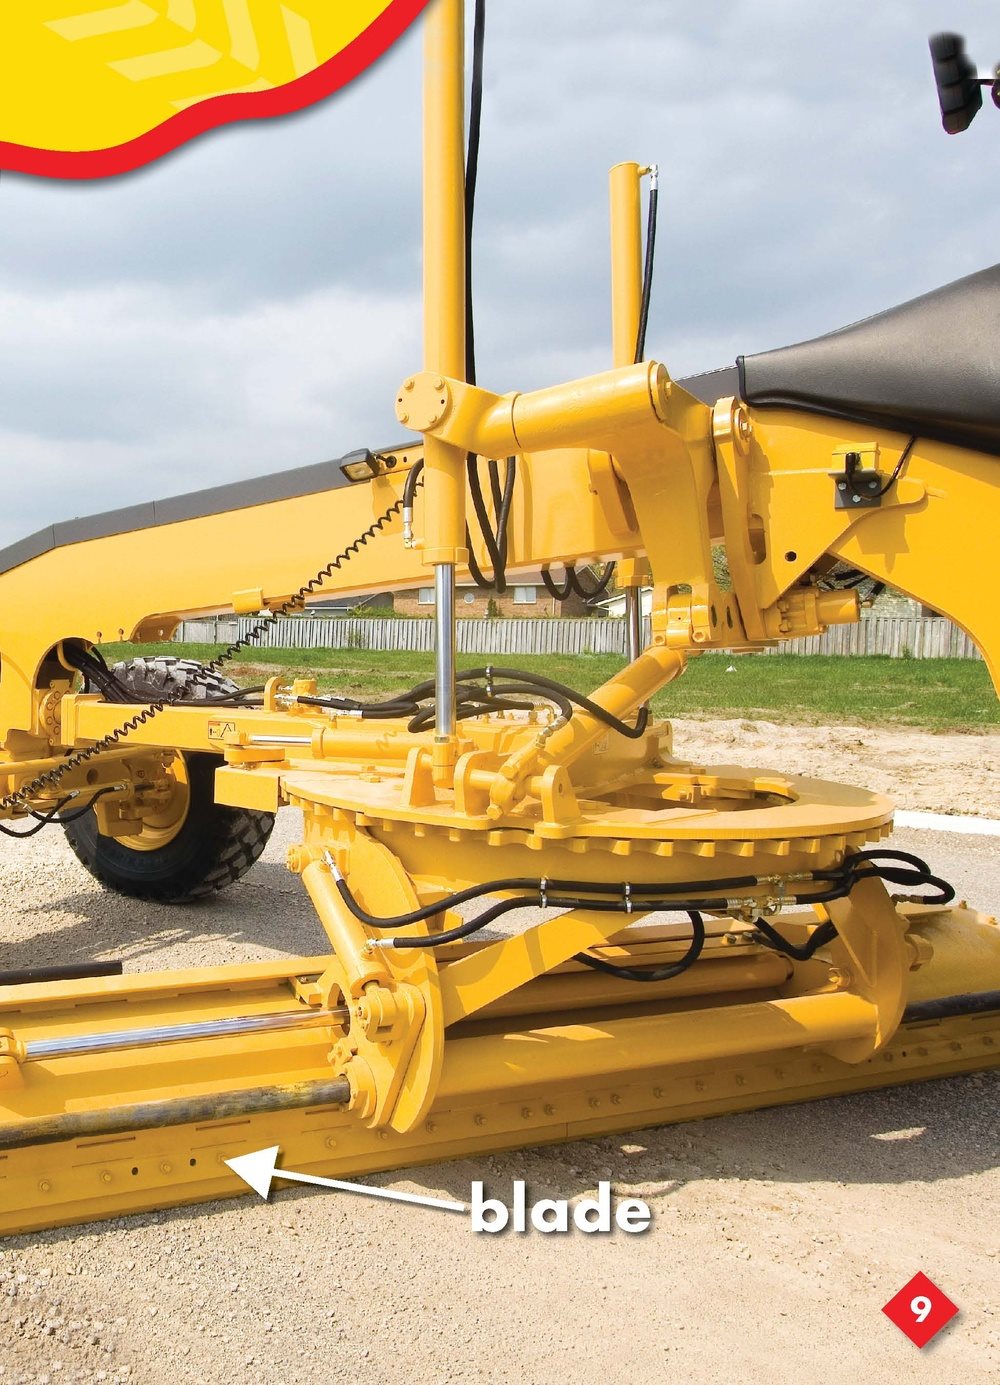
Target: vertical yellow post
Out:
[626,261]
[444,328]
[626,296]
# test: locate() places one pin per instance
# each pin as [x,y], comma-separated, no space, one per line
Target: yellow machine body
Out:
[120,1094]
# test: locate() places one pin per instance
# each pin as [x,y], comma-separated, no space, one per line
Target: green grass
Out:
[937,694]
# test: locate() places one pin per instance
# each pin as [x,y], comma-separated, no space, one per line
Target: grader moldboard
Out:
[707,938]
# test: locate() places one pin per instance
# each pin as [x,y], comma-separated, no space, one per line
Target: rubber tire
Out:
[215,846]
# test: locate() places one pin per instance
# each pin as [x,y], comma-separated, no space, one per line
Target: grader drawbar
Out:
[701,938]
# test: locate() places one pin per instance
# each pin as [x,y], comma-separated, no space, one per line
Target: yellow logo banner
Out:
[94,89]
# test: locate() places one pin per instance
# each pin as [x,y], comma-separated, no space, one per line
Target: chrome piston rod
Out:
[116,1040]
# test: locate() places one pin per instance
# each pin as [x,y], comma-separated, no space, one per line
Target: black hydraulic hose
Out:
[658,973]
[397,707]
[862,865]
[540,891]
[945,895]
[559,590]
[512,681]
[42,820]
[911,870]
[402,704]
[601,906]
[770,937]
[64,818]
[410,484]
[549,684]
[496,543]
[647,273]
[463,930]
[485,528]
[97,675]
[472,178]
[56,814]
[239,695]
[561,699]
[502,499]
[96,672]
[600,586]
[551,901]
[495,540]
[424,719]
[574,583]
[651,898]
[471,702]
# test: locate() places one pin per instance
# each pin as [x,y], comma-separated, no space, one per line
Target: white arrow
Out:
[258,1170]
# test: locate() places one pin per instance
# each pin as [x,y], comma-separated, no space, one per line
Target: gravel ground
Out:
[937,771]
[777,1235]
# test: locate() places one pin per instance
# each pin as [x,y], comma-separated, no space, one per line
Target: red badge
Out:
[920,1310]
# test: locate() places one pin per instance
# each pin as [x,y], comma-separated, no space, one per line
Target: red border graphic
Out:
[220,110]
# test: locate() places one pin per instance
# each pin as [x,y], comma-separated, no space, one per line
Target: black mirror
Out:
[960,91]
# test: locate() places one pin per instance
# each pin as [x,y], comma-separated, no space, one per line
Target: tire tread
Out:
[236,836]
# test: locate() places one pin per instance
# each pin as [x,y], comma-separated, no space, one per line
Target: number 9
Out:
[920,1307]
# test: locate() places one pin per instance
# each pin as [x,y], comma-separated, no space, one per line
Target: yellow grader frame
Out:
[404,1042]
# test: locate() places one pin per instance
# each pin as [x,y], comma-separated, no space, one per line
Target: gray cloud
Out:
[252,301]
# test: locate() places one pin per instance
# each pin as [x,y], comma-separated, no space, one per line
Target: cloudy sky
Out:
[252,302]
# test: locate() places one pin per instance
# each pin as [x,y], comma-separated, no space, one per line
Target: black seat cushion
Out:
[930,367]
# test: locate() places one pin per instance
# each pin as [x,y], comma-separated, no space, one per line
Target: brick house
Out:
[526,597]
[368,603]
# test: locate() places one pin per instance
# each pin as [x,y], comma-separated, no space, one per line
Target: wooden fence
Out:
[900,637]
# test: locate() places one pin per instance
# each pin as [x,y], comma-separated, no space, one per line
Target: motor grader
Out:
[701,939]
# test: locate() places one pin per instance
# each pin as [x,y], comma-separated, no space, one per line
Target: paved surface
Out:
[778,1235]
